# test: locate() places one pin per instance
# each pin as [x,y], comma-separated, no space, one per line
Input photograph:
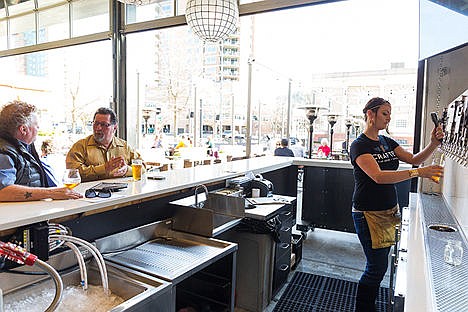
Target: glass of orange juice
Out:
[137,165]
[71,178]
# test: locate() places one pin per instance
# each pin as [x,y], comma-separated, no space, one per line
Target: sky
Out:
[341,36]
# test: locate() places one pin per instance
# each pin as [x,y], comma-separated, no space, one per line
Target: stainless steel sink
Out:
[214,214]
[139,292]
[158,250]
[184,259]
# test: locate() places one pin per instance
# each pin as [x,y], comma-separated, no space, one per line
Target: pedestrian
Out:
[283,149]
[323,150]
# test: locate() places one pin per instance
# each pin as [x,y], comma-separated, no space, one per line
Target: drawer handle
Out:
[286,213]
[286,229]
[284,267]
[284,245]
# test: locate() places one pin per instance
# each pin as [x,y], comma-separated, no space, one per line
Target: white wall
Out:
[454,186]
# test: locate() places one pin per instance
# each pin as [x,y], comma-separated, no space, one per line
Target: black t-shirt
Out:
[284,151]
[368,195]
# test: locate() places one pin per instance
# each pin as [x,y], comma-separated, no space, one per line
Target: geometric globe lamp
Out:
[212,20]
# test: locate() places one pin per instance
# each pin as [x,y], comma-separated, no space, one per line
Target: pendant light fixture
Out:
[212,20]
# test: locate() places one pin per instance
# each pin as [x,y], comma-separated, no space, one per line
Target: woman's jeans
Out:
[377,259]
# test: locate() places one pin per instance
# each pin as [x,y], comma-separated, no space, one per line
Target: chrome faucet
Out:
[196,193]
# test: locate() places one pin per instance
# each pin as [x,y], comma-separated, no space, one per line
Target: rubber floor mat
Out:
[314,293]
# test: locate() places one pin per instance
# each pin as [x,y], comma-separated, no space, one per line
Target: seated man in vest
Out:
[102,155]
[22,177]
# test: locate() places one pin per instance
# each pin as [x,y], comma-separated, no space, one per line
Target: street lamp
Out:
[332,121]
[311,114]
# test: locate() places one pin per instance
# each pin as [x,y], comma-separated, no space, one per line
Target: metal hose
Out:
[58,284]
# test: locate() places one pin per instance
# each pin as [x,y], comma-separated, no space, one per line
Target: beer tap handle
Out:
[435,120]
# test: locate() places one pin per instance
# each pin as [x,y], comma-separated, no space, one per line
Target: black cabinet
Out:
[282,259]
[327,198]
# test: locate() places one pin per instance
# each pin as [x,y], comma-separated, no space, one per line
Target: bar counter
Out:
[17,214]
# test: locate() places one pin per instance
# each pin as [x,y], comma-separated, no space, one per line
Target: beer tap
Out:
[465,131]
[458,129]
[450,128]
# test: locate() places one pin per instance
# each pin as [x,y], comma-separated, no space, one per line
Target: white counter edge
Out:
[18,214]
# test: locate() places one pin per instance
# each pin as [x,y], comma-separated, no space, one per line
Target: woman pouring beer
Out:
[375,210]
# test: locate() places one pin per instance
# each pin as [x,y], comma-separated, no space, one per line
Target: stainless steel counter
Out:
[267,206]
[431,283]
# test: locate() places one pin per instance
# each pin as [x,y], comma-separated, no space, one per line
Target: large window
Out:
[67,85]
[336,55]
[34,22]
[201,89]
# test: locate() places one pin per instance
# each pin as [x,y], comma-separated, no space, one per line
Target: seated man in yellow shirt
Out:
[102,155]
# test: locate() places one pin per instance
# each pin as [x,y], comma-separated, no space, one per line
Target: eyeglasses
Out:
[91,193]
[102,124]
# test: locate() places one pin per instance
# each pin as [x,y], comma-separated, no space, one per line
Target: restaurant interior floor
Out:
[329,253]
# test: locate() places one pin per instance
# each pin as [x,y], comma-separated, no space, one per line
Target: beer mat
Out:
[267,200]
[107,186]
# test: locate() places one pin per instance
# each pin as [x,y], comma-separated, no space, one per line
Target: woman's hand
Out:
[437,135]
[433,172]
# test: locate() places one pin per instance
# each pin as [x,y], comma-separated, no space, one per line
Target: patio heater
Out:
[158,112]
[357,122]
[348,124]
[311,114]
[332,121]
[146,114]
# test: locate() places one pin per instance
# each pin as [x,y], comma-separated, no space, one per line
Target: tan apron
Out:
[382,226]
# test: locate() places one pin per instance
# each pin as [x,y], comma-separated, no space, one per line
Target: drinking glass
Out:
[438,159]
[137,165]
[453,253]
[71,178]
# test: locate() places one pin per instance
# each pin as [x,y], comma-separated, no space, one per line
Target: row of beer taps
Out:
[455,124]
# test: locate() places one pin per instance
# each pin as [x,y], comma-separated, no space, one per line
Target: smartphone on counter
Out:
[152,177]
